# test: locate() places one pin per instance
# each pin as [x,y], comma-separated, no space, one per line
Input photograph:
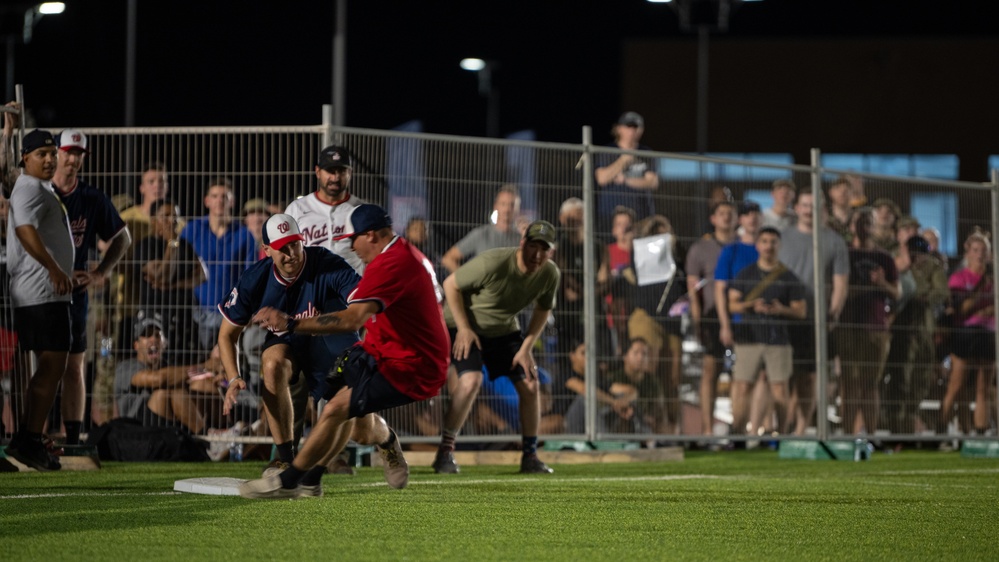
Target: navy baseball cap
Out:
[748,206]
[281,229]
[334,157]
[365,218]
[36,139]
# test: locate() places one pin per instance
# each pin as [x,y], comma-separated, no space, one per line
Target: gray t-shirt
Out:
[131,399]
[702,258]
[34,202]
[486,237]
[796,254]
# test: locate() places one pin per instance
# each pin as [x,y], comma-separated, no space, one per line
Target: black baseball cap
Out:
[631,118]
[36,139]
[145,327]
[334,157]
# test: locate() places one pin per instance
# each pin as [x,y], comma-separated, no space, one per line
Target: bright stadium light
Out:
[472,65]
[47,8]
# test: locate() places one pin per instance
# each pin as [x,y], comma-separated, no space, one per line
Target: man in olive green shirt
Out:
[484,297]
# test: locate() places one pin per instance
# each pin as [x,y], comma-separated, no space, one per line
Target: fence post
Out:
[820,305]
[589,285]
[327,124]
[995,260]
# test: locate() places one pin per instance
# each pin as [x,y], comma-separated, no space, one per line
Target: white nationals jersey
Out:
[321,222]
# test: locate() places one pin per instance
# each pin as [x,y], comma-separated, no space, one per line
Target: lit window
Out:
[938,210]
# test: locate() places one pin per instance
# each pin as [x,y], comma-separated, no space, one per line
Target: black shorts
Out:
[43,327]
[78,322]
[496,355]
[802,338]
[370,392]
[711,336]
[973,344]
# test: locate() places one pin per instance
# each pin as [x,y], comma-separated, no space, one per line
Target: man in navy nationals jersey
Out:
[403,358]
[91,217]
[301,282]
[322,215]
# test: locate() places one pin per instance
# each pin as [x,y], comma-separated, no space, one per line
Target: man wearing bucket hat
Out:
[484,298]
[403,358]
[301,282]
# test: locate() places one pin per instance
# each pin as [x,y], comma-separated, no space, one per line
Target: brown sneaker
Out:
[396,467]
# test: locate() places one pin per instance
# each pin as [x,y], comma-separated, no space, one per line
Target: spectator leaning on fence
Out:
[40,263]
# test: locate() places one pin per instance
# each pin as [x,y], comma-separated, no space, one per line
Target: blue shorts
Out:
[496,355]
[302,362]
[370,392]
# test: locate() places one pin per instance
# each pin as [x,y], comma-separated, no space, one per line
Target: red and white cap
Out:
[72,139]
[281,229]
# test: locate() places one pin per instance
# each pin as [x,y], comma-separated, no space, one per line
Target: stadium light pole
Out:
[31,17]
[484,69]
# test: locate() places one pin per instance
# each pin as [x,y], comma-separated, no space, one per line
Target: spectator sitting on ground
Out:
[158,394]
[635,384]
[575,417]
[502,233]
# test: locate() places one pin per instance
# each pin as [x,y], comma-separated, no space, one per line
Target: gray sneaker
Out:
[309,491]
[531,464]
[444,463]
[267,488]
[396,467]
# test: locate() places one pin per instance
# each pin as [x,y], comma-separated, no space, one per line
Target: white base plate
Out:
[209,486]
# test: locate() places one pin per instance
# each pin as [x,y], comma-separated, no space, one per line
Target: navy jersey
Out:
[91,215]
[323,285]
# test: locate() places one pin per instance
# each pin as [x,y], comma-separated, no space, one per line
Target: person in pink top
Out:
[973,341]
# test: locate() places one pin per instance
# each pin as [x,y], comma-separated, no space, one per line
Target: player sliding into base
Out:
[403,358]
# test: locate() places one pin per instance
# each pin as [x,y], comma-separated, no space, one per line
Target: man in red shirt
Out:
[403,358]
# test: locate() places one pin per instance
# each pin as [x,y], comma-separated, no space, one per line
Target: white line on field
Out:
[86,495]
[544,479]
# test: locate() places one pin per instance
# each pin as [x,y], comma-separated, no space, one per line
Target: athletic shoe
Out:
[267,488]
[341,465]
[275,468]
[309,491]
[34,454]
[444,463]
[396,467]
[531,464]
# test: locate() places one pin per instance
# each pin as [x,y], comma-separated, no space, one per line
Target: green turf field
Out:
[712,506]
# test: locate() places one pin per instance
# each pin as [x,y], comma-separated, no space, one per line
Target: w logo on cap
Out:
[283,227]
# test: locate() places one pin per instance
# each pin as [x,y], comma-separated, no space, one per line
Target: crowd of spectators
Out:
[743,294]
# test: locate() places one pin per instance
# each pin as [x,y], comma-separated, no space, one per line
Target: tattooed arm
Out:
[350,320]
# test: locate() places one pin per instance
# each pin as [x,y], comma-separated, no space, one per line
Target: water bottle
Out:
[106,347]
[235,451]
[861,450]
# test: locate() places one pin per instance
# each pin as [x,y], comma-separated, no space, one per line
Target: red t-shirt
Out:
[407,337]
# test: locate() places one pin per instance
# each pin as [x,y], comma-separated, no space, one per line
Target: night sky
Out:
[227,62]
